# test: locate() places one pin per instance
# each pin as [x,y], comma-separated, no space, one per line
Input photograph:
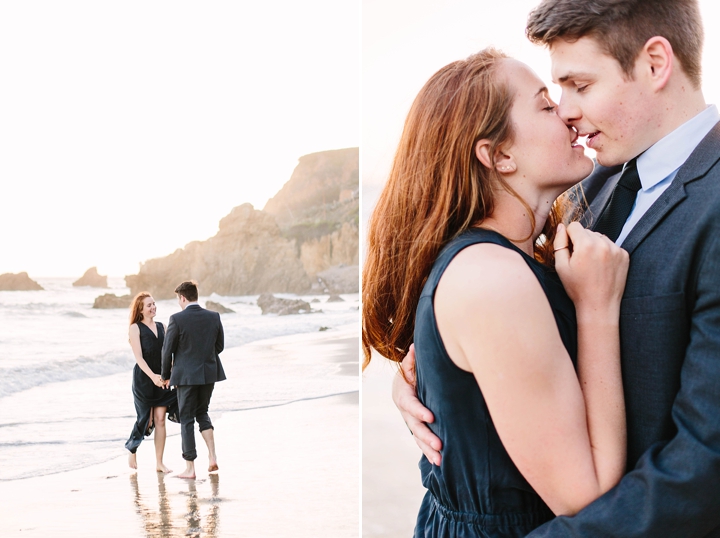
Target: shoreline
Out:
[304,453]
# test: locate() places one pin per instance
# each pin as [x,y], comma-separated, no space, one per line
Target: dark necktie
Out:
[612,220]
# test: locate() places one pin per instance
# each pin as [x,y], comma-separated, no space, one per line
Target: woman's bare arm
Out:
[134,337]
[496,322]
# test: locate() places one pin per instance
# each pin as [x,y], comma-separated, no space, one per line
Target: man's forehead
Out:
[577,59]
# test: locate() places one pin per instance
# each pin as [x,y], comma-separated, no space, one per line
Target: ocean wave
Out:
[73,314]
[27,377]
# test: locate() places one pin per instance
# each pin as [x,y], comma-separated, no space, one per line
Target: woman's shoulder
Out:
[489,271]
[134,328]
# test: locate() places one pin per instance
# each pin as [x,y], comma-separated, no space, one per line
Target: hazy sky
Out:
[405,42]
[128,129]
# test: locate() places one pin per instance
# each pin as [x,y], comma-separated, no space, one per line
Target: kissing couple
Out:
[558,323]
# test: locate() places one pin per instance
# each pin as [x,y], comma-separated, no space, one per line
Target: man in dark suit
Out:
[630,78]
[191,362]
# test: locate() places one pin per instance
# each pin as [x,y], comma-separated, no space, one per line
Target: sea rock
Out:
[217,307]
[283,307]
[92,278]
[339,279]
[335,299]
[18,282]
[110,300]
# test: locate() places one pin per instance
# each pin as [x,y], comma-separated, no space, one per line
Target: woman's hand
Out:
[157,379]
[592,268]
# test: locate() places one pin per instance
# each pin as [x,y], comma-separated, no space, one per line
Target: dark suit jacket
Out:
[193,340]
[670,341]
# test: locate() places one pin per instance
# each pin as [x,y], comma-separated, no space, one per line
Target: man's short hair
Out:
[189,290]
[622,27]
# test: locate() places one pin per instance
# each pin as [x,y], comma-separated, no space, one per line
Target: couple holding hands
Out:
[185,357]
[565,373]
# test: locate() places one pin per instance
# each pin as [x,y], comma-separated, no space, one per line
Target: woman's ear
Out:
[502,162]
[482,152]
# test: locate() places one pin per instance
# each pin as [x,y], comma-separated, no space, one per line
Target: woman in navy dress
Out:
[152,400]
[514,316]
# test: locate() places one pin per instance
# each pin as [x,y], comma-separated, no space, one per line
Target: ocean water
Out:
[66,371]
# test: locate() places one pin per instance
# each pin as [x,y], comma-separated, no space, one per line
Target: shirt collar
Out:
[670,152]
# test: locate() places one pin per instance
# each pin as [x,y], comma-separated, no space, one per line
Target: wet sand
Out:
[289,470]
[392,490]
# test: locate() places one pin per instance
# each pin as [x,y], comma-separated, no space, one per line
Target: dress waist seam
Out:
[522,519]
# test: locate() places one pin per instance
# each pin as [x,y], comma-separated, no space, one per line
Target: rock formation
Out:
[319,208]
[282,307]
[307,228]
[18,282]
[217,307]
[110,300]
[92,278]
[248,255]
[339,279]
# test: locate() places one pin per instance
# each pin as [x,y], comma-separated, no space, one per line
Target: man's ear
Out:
[502,162]
[657,60]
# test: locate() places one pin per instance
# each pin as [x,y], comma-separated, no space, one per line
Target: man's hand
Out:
[413,412]
[166,383]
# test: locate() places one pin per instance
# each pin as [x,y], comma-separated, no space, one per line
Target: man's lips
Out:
[590,138]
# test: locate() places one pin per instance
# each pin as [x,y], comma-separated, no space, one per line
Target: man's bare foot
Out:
[212,467]
[162,468]
[189,471]
[132,460]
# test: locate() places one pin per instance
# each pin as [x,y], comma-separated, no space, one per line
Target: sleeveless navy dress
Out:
[476,492]
[145,393]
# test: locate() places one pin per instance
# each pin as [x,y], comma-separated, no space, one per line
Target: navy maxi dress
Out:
[145,393]
[476,492]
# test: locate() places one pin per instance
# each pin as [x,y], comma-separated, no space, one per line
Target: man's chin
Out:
[606,159]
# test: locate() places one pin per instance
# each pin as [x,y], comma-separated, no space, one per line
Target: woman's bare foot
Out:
[213,466]
[162,468]
[189,471]
[132,460]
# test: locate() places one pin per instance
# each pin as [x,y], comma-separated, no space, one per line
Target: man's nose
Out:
[568,110]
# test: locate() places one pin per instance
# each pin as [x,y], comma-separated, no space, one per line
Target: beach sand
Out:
[288,470]
[392,490]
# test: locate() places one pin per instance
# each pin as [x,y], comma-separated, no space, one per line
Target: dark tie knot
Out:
[613,218]
[630,178]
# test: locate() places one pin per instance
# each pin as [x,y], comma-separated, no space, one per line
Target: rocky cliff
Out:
[308,227]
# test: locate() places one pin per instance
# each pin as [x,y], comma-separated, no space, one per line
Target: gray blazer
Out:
[670,341]
[193,340]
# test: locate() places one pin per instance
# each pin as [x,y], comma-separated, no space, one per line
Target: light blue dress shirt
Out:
[659,164]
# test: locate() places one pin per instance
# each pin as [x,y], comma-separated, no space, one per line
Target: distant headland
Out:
[305,239]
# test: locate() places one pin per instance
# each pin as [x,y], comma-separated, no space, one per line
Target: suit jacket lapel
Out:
[704,156]
[598,187]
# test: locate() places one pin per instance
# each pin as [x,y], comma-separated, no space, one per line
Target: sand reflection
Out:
[179,508]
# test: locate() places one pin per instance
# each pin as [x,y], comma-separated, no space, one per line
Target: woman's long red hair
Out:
[136,307]
[436,190]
